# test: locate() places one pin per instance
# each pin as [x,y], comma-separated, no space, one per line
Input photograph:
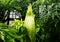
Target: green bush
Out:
[38,26]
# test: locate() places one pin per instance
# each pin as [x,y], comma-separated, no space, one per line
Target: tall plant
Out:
[29,23]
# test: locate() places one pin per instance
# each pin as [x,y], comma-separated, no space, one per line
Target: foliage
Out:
[9,34]
[43,27]
[20,31]
[47,19]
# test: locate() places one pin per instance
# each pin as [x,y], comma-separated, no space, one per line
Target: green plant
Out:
[30,24]
[9,34]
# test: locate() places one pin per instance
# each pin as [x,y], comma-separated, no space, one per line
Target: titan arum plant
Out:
[29,23]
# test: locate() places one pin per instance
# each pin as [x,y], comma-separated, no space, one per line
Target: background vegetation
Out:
[47,20]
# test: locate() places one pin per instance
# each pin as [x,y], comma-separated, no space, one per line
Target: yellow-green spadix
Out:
[29,23]
[29,19]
